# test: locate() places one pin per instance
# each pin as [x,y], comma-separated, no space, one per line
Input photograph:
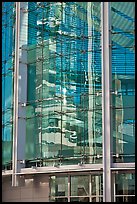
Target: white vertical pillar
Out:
[90,188]
[69,187]
[106,125]
[97,188]
[15,110]
[114,187]
[90,79]
[20,90]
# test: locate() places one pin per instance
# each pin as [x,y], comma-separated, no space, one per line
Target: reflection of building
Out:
[68,124]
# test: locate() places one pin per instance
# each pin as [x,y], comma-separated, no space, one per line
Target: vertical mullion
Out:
[90,189]
[15,110]
[69,188]
[106,124]
[114,186]
[20,90]
[61,78]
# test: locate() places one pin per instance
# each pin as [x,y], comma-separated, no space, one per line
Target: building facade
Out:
[68,101]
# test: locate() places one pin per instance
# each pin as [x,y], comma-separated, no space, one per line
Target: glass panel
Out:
[97,199]
[96,185]
[64,77]
[125,184]
[59,200]
[58,186]
[64,110]
[32,140]
[125,199]
[79,199]
[8,22]
[123,81]
[79,185]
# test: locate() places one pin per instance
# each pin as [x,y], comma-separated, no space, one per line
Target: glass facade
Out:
[8,39]
[63,118]
[123,81]
[89,187]
[125,187]
[81,188]
[64,75]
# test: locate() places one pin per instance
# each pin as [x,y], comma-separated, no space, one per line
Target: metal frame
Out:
[90,196]
[114,187]
[20,91]
[75,168]
[90,77]
[90,188]
[20,110]
[69,184]
[15,111]
[106,126]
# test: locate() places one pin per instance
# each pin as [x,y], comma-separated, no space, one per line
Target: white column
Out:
[114,187]
[69,187]
[20,90]
[90,80]
[106,125]
[90,188]
[97,181]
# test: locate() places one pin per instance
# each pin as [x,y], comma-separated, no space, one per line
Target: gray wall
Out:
[32,188]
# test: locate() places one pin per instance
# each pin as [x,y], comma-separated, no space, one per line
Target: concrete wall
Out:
[32,188]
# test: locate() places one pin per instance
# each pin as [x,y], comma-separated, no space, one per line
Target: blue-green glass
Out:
[64,76]
[64,110]
[7,80]
[123,81]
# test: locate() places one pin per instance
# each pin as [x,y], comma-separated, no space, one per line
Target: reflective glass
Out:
[64,77]
[125,184]
[79,185]
[79,199]
[82,188]
[8,19]
[64,81]
[123,81]
[58,186]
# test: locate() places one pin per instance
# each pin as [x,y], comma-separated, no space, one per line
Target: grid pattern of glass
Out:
[8,19]
[64,95]
[125,187]
[81,188]
[64,116]
[123,80]
[64,119]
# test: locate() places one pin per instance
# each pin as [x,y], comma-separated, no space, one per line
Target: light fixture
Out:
[22,161]
[23,104]
[117,155]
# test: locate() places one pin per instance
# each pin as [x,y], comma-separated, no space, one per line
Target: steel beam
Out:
[20,91]
[15,111]
[91,81]
[90,188]
[106,122]
[69,188]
